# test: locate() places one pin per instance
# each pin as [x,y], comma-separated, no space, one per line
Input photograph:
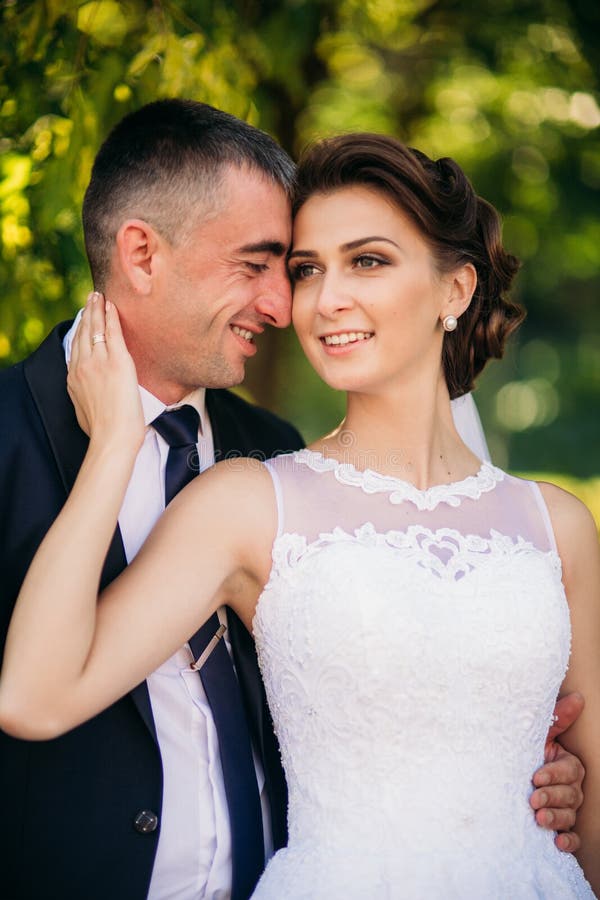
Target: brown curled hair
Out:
[459,227]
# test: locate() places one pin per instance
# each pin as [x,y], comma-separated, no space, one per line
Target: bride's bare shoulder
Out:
[573,524]
[236,494]
[241,473]
[234,484]
[237,499]
[564,506]
[234,500]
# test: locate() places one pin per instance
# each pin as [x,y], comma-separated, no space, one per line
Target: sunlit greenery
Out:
[509,88]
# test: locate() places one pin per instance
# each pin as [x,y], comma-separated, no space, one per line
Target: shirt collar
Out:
[153,407]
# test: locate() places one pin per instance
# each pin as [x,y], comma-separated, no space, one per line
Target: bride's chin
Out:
[343,383]
[344,379]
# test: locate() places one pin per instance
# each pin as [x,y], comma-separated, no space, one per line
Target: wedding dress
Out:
[412,644]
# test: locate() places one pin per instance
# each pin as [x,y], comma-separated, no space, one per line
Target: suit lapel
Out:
[229,436]
[46,375]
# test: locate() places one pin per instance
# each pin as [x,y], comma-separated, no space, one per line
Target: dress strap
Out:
[544,513]
[272,470]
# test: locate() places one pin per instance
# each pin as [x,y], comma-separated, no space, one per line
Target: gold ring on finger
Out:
[99,338]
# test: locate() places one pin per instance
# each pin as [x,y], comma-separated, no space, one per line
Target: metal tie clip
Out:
[196,666]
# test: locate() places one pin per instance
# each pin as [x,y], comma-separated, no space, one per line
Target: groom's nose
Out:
[274,300]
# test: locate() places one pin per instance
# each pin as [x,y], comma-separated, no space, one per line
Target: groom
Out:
[187,225]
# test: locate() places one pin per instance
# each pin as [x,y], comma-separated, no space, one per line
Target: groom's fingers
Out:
[558,797]
[562,821]
[556,803]
[559,818]
[565,791]
[566,769]
[569,842]
[566,711]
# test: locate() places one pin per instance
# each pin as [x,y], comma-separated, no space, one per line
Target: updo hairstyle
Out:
[459,227]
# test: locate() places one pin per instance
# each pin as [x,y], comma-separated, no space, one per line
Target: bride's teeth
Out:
[351,337]
[243,332]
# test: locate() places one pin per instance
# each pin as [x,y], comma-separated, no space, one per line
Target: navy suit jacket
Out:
[67,806]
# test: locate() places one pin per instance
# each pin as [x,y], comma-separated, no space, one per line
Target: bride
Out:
[405,597]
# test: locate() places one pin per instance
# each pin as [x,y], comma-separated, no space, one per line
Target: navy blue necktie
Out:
[179,428]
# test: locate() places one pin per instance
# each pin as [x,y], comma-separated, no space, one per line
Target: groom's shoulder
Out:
[17,412]
[13,390]
[268,431]
[16,396]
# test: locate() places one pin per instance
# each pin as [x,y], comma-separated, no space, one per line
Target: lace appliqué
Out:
[445,552]
[401,651]
[372,482]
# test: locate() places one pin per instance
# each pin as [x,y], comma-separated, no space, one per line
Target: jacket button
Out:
[145,821]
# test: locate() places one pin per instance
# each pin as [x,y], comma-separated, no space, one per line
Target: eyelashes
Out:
[256,268]
[305,270]
[302,271]
[370,261]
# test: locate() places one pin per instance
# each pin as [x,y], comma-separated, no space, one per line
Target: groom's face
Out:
[219,287]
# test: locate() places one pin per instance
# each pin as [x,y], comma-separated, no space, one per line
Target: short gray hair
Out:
[164,159]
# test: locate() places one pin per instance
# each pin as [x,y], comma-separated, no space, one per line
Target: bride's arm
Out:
[577,541]
[67,657]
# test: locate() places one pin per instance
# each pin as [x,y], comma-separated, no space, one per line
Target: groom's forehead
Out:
[252,214]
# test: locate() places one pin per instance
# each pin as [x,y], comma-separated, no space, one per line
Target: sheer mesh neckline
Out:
[372,482]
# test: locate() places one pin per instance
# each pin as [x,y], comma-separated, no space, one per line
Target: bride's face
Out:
[367,295]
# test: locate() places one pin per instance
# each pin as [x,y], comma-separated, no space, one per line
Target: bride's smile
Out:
[368,295]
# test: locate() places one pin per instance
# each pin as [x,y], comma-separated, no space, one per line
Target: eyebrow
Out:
[351,245]
[274,247]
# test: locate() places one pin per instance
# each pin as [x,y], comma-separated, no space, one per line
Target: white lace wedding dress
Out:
[412,644]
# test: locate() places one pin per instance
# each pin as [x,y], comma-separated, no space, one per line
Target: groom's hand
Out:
[558,793]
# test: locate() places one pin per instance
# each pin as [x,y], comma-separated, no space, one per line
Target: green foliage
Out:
[69,71]
[510,89]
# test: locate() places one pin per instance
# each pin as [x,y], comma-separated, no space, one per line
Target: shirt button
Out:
[145,821]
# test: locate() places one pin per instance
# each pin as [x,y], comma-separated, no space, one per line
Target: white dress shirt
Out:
[193,858]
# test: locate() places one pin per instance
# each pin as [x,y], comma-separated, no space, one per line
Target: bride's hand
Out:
[102,381]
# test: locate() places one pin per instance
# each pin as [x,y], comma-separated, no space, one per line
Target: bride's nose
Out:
[334,296]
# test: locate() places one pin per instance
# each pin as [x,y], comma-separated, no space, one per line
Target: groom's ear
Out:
[138,245]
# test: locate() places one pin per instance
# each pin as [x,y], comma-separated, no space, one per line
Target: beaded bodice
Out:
[412,644]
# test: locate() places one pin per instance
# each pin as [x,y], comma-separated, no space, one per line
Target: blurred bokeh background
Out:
[510,88]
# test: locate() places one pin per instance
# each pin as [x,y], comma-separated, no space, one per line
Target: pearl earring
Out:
[450,323]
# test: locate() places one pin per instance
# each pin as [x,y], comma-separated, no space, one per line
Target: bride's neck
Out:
[409,435]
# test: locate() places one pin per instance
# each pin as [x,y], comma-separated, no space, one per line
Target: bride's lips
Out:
[338,343]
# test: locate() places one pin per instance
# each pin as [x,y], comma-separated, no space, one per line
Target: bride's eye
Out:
[302,271]
[368,261]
